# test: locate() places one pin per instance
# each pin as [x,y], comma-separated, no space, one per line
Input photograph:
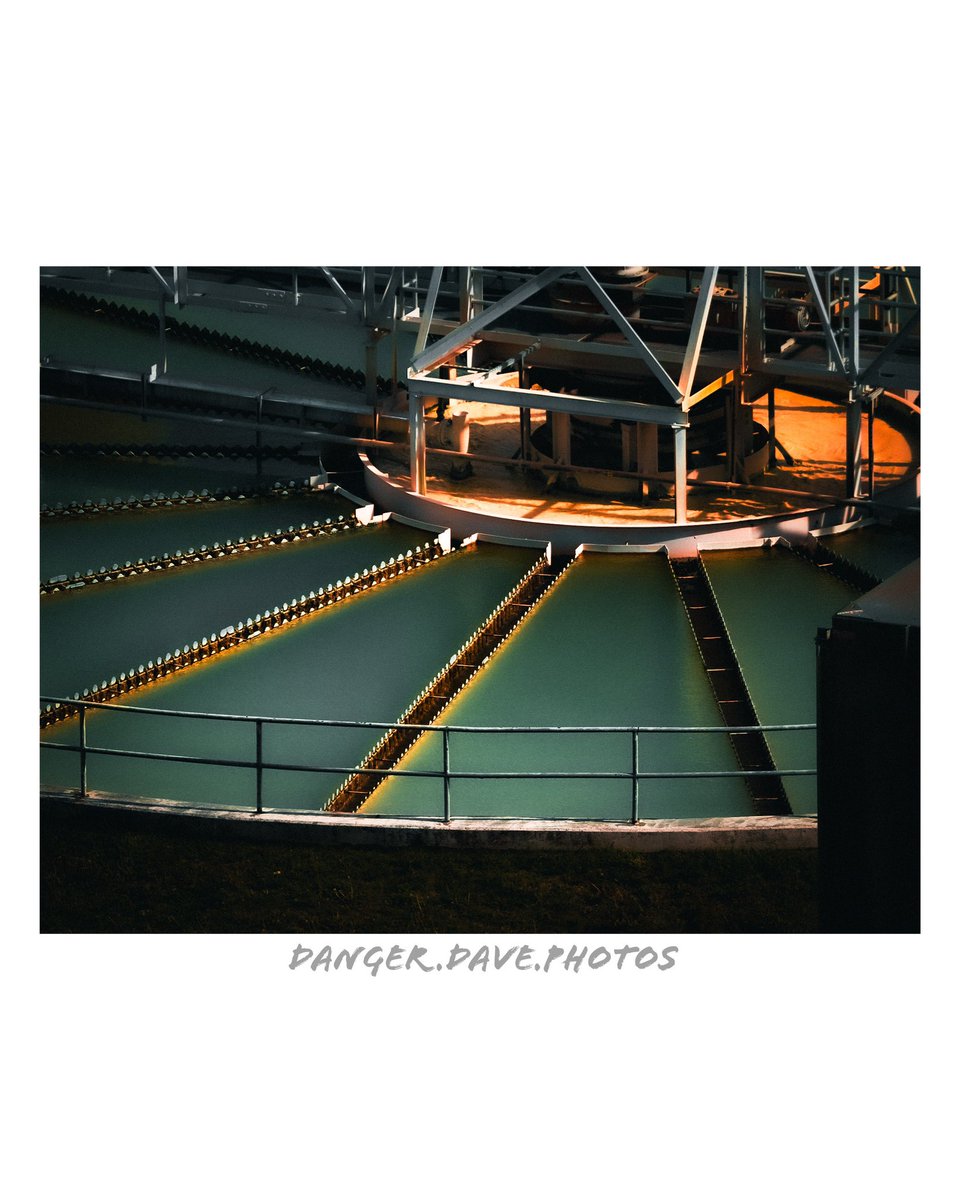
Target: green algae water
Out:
[364,660]
[85,340]
[316,338]
[87,543]
[74,479]
[91,633]
[610,645]
[878,549]
[773,603]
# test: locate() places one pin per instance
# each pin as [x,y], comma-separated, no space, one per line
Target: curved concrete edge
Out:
[648,836]
[566,536]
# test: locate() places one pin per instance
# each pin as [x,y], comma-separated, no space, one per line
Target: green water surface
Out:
[90,341]
[773,603]
[364,660]
[610,645]
[879,549]
[87,543]
[91,633]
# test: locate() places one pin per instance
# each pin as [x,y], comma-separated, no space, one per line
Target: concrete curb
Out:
[648,836]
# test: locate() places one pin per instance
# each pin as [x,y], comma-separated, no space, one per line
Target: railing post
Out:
[446,774]
[259,766]
[635,803]
[83,750]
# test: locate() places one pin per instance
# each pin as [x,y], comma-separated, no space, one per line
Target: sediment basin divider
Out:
[233,636]
[87,508]
[166,562]
[505,619]
[815,552]
[729,686]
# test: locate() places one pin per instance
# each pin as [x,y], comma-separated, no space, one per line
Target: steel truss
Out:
[847,332]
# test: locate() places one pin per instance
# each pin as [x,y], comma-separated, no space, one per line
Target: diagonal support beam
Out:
[871,372]
[338,288]
[688,371]
[163,283]
[426,317]
[384,307]
[426,360]
[633,338]
[832,346]
[708,389]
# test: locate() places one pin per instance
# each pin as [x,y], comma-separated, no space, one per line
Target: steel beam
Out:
[633,338]
[168,290]
[418,444]
[426,360]
[751,320]
[577,406]
[711,388]
[385,307]
[771,429]
[427,318]
[181,285]
[471,300]
[689,369]
[833,348]
[854,446]
[853,320]
[680,475]
[368,292]
[567,351]
[338,288]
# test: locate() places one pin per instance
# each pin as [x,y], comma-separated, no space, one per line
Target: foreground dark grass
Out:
[98,877]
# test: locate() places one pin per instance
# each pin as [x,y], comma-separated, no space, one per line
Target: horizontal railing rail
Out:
[259,764]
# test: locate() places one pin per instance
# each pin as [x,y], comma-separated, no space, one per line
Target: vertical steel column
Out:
[771,429]
[560,426]
[83,750]
[524,434]
[525,430]
[471,296]
[259,765]
[680,474]
[730,425]
[871,413]
[368,293]
[751,321]
[446,774]
[635,802]
[418,443]
[854,322]
[259,436]
[162,361]
[854,445]
[648,454]
[370,374]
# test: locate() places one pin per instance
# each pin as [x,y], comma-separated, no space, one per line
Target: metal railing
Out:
[259,765]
